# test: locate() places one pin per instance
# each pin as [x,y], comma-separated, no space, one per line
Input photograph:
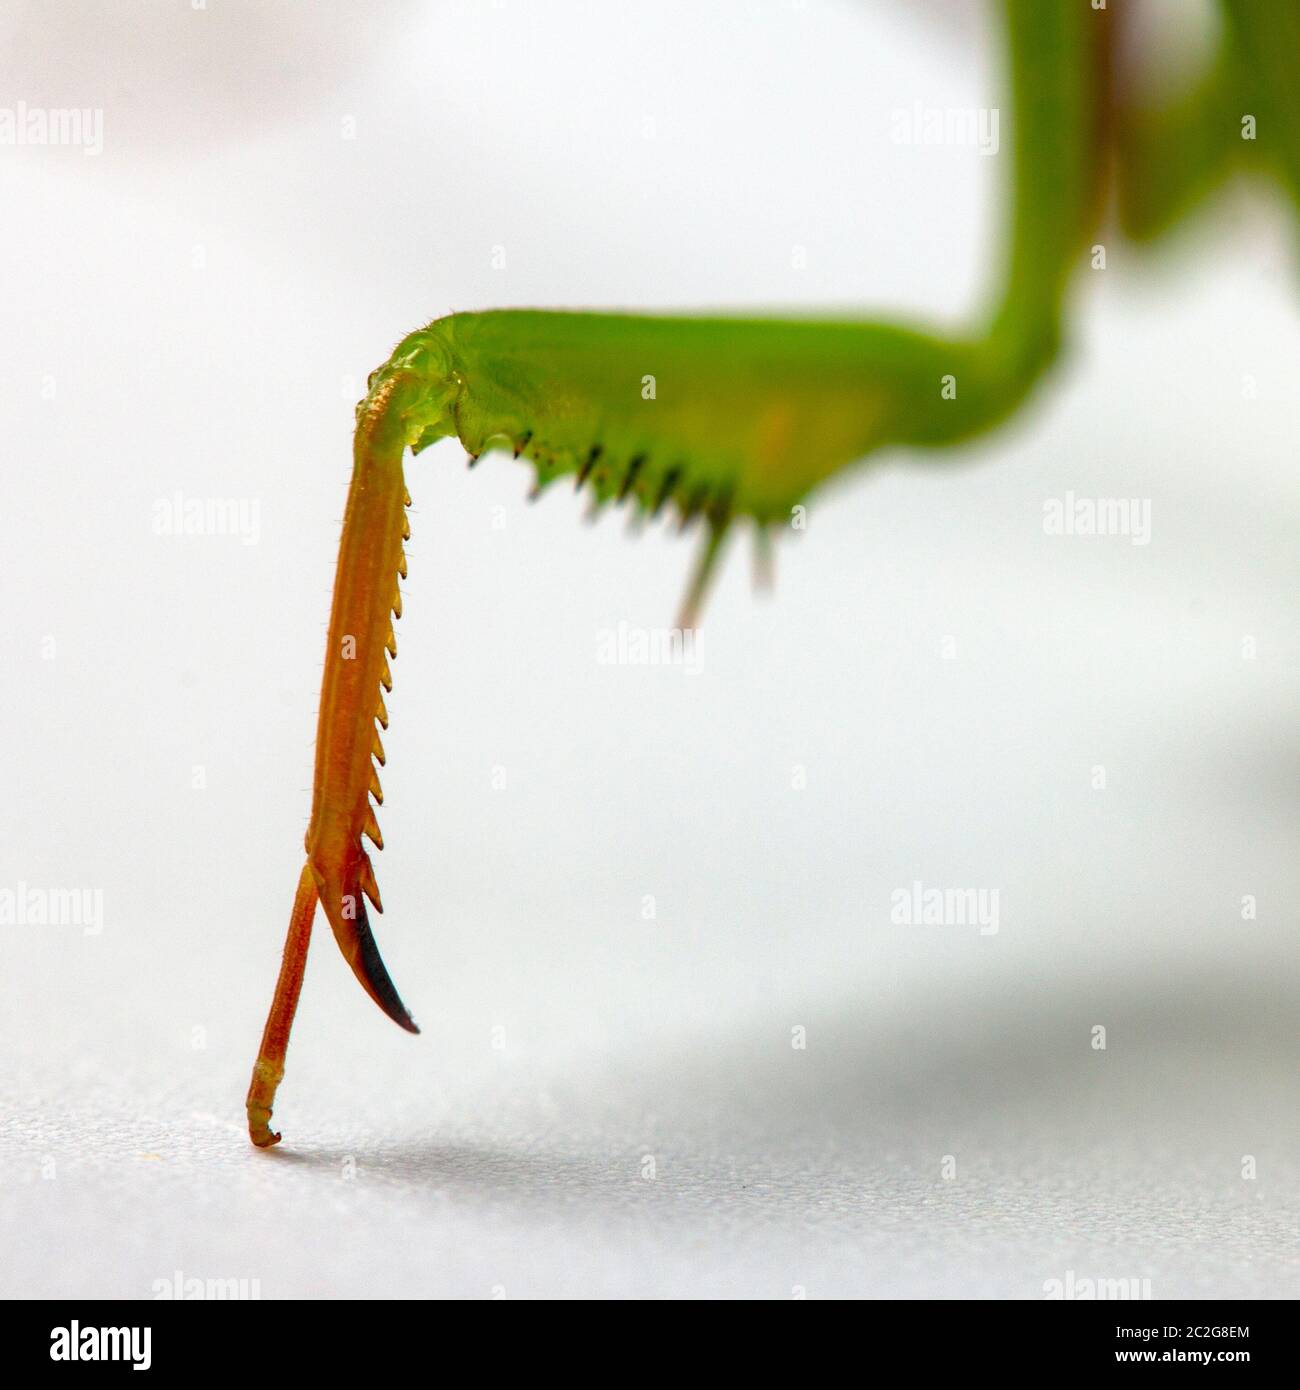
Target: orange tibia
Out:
[269,1067]
[361,642]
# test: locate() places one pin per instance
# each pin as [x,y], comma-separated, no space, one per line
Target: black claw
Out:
[523,443]
[360,950]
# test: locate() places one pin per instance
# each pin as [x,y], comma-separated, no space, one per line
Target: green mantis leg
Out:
[1268,35]
[1241,113]
[1171,158]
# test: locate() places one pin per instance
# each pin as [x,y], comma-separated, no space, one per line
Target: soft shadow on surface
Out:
[1189,1081]
[439,1164]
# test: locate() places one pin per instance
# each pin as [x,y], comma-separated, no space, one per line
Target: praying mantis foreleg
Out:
[716,419]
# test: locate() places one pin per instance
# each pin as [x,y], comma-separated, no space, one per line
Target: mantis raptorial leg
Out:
[723,419]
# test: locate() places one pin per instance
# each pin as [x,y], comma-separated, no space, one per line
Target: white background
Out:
[207,296]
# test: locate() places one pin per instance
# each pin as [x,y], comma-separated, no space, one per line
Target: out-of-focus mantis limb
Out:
[1267,33]
[1241,113]
[1171,158]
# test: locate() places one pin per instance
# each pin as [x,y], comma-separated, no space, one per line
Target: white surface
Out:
[566,1039]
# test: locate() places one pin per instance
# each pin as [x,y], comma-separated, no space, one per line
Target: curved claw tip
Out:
[362,953]
[373,973]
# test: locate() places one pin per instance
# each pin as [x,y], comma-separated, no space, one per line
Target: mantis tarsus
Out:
[747,415]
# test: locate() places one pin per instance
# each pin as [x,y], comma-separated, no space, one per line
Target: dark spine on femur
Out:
[585,471]
[629,480]
[666,489]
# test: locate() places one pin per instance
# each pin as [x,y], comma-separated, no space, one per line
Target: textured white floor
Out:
[602,1104]
[773,1172]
